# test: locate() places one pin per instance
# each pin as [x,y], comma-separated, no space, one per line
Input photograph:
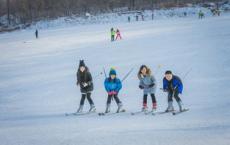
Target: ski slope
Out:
[38,83]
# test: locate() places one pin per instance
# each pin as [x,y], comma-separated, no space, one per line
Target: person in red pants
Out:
[118,33]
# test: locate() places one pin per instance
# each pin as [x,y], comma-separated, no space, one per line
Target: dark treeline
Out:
[27,11]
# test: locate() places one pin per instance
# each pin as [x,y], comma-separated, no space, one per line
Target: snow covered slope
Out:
[38,83]
[107,18]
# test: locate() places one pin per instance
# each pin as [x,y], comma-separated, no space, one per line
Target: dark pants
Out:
[175,95]
[115,97]
[112,37]
[145,99]
[88,96]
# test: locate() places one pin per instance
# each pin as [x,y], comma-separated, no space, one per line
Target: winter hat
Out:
[112,72]
[168,72]
[81,63]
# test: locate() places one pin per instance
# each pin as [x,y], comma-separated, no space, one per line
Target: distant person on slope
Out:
[173,85]
[129,19]
[118,34]
[148,85]
[136,17]
[112,33]
[201,14]
[36,34]
[84,79]
[113,86]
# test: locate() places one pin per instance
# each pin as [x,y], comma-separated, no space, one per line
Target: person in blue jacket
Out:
[113,86]
[174,86]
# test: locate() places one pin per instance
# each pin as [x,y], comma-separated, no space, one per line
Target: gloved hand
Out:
[151,85]
[141,87]
[110,93]
[85,85]
[175,89]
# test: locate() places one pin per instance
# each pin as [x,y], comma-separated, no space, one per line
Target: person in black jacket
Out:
[84,80]
[36,33]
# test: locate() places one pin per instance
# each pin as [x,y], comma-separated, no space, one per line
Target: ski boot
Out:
[92,108]
[154,108]
[80,109]
[119,107]
[107,110]
[170,107]
[180,104]
[144,109]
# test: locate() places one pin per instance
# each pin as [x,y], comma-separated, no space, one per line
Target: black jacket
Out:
[85,77]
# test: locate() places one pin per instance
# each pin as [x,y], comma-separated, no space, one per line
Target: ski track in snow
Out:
[38,83]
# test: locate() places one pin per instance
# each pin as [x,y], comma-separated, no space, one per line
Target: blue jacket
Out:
[112,85]
[176,83]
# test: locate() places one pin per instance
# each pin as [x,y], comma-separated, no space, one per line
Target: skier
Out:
[118,34]
[215,12]
[36,34]
[173,85]
[136,17]
[201,14]
[148,85]
[84,79]
[113,86]
[129,19]
[185,14]
[112,32]
[142,17]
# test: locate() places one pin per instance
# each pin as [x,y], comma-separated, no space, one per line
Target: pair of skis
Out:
[178,112]
[155,113]
[132,113]
[80,113]
[144,112]
[93,112]
[112,113]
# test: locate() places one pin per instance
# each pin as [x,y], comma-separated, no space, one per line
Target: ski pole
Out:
[104,72]
[127,74]
[185,75]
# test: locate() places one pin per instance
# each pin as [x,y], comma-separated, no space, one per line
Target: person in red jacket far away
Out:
[118,34]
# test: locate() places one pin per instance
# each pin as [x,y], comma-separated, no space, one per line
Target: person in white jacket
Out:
[148,85]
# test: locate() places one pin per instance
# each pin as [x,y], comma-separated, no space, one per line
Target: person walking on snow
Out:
[113,85]
[84,79]
[148,85]
[36,34]
[173,85]
[112,33]
[118,34]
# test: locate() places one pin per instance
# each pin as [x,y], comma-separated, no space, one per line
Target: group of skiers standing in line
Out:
[171,84]
[115,34]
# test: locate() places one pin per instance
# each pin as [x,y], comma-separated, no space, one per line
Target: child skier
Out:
[148,85]
[112,33]
[113,86]
[118,34]
[173,85]
[84,79]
